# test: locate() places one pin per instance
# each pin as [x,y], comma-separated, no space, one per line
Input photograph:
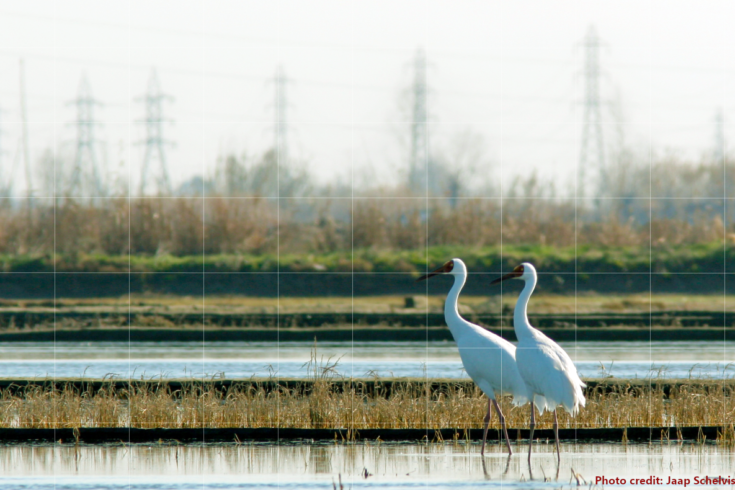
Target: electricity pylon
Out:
[419,157]
[154,160]
[592,153]
[85,180]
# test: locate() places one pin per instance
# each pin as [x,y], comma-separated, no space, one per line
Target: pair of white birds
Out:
[537,371]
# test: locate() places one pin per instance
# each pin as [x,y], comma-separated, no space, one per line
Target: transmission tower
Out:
[154,161]
[719,152]
[26,145]
[6,181]
[419,139]
[592,154]
[280,123]
[85,179]
[2,152]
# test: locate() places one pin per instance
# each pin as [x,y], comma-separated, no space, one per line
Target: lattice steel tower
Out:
[280,122]
[85,180]
[6,173]
[3,177]
[719,152]
[418,162]
[154,161]
[592,154]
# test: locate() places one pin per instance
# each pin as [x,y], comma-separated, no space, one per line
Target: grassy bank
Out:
[684,269]
[691,258]
[158,304]
[410,404]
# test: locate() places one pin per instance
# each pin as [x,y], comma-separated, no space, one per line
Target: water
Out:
[287,359]
[316,466]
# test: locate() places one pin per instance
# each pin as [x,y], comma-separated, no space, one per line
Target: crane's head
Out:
[525,271]
[454,267]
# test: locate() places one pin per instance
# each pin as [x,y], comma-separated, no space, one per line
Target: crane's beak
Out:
[511,275]
[440,270]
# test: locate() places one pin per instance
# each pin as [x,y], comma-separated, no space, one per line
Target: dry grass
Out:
[406,406]
[542,303]
[192,226]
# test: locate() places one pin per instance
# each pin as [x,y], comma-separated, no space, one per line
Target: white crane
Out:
[488,359]
[545,367]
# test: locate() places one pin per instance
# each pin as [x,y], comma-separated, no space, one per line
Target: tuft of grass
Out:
[353,406]
[372,235]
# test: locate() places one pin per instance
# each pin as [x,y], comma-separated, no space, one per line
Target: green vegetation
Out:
[706,257]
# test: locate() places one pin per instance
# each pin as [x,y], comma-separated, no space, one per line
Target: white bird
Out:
[545,367]
[488,359]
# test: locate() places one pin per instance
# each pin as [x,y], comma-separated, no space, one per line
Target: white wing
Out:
[550,372]
[490,361]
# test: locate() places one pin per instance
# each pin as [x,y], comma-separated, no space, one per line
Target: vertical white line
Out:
[426,202]
[502,176]
[204,200]
[650,218]
[278,236]
[352,192]
[576,251]
[130,212]
[30,191]
[724,244]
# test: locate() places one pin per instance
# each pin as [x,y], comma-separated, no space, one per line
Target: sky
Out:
[510,73]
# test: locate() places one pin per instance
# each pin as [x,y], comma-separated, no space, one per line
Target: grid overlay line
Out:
[581,205]
[204,238]
[130,217]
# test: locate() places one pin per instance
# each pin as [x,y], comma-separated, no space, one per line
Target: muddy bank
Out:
[369,386]
[48,285]
[346,333]
[96,435]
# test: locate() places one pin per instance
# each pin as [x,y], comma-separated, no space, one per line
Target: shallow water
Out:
[287,359]
[316,466]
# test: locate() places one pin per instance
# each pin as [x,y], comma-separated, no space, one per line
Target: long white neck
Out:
[520,318]
[451,312]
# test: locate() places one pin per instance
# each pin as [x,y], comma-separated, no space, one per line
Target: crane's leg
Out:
[556,436]
[484,429]
[502,423]
[532,426]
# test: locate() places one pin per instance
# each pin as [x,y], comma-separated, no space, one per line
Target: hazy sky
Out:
[510,72]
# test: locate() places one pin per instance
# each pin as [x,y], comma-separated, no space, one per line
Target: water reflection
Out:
[316,465]
[262,359]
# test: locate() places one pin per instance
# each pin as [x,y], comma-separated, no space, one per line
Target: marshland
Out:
[322,403]
[213,217]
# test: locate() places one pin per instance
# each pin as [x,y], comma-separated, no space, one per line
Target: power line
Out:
[26,146]
[6,172]
[85,177]
[592,154]
[419,140]
[474,54]
[280,122]
[155,143]
[719,150]
[2,152]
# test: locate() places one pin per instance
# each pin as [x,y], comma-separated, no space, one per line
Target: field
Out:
[541,303]
[257,318]
[323,402]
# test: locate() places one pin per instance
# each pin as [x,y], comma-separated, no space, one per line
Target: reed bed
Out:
[324,404]
[191,226]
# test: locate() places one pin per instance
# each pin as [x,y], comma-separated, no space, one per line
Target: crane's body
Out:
[546,368]
[488,359]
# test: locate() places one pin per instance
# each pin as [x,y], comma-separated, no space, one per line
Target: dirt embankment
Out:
[340,284]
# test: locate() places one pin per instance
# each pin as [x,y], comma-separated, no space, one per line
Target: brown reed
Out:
[192,226]
[322,405]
